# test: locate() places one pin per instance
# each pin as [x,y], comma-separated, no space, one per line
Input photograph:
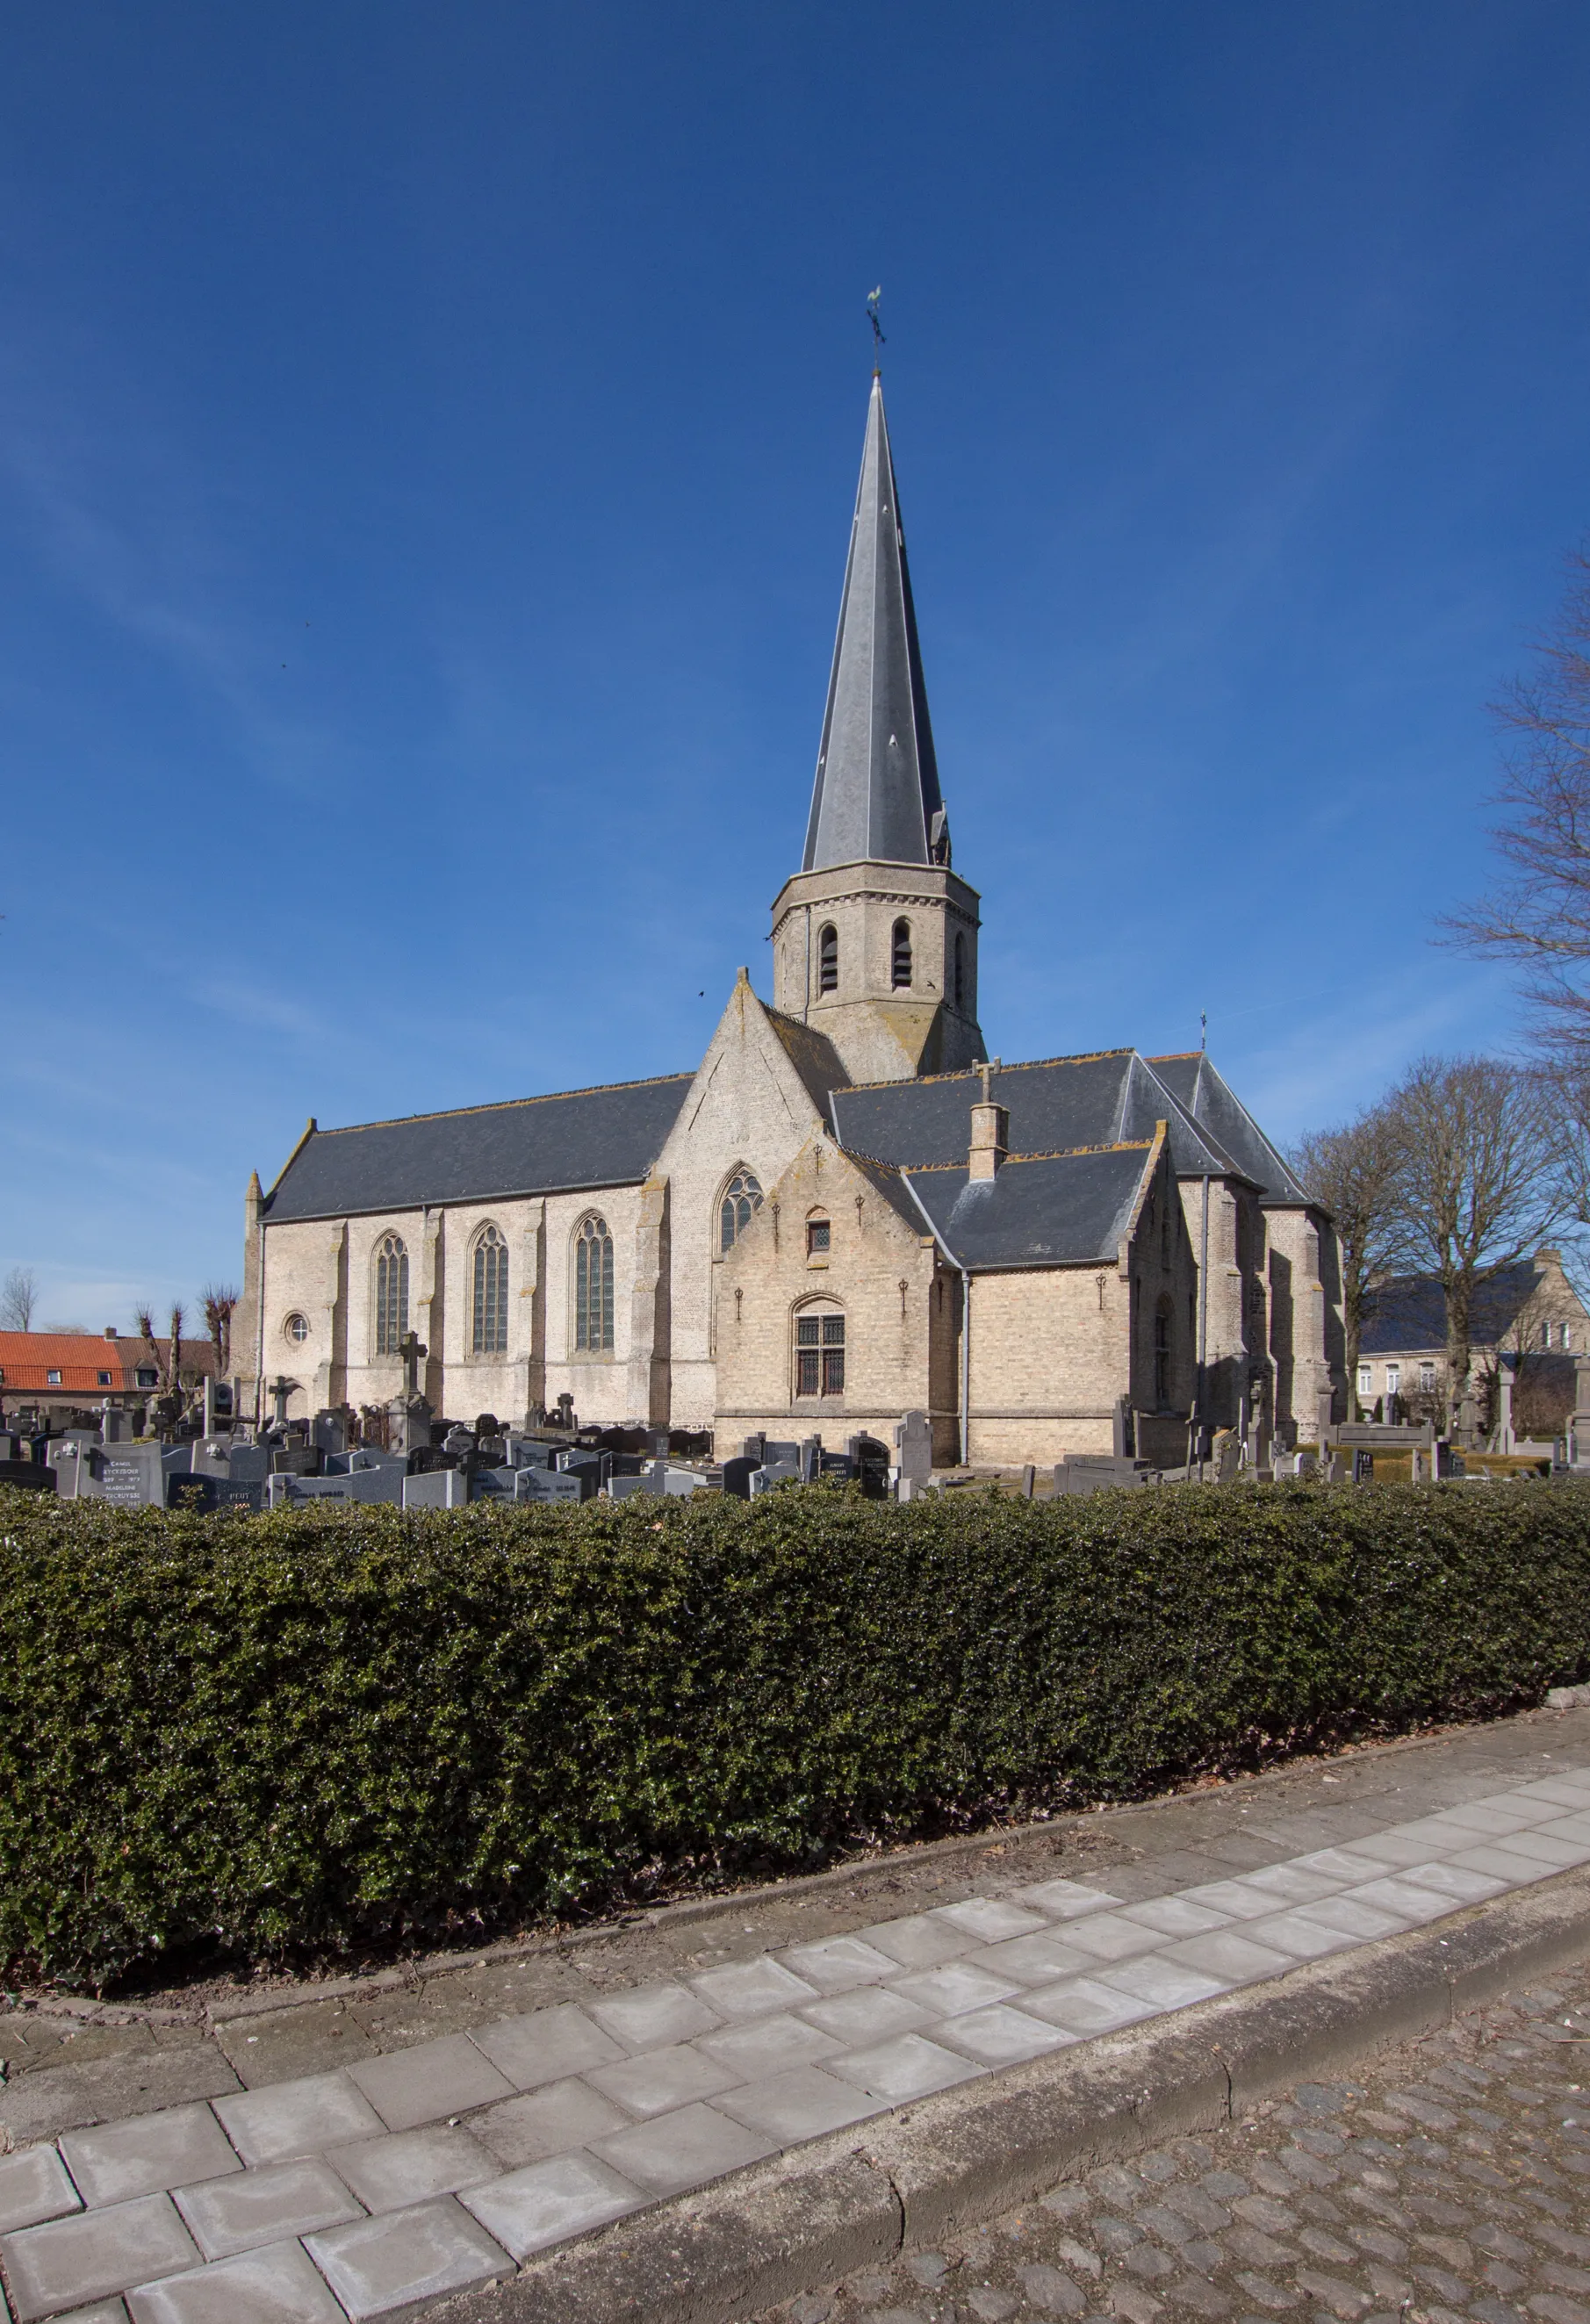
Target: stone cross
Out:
[412,1351]
[280,1389]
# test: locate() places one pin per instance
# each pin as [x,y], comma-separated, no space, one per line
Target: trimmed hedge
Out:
[328,1727]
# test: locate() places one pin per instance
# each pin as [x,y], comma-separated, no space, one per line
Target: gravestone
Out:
[70,1460]
[116,1427]
[359,1485]
[622,1489]
[1228,1455]
[436,1488]
[32,1476]
[1450,1461]
[737,1473]
[248,1465]
[1363,1465]
[914,1439]
[295,1461]
[529,1453]
[497,1483]
[211,1456]
[1093,1472]
[130,1476]
[869,1462]
[205,1492]
[754,1448]
[552,1485]
[329,1430]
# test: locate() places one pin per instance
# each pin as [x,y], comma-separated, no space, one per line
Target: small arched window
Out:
[392,1295]
[900,955]
[819,1352]
[819,1235]
[593,1288]
[489,1333]
[742,1199]
[828,958]
[960,972]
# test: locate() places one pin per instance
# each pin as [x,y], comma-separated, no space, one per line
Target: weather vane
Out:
[1204,1030]
[872,298]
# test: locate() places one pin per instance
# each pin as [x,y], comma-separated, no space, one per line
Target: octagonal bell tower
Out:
[875,938]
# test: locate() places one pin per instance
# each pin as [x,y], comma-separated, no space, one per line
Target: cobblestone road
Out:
[1448,2182]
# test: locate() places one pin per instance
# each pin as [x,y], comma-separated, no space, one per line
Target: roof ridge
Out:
[968,1073]
[1060,1154]
[503,1104]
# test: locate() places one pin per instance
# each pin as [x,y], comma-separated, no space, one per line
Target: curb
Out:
[794,2224]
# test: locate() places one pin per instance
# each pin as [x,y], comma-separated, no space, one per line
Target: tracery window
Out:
[900,961]
[742,1199]
[392,1295]
[819,1353]
[593,1288]
[828,958]
[489,1303]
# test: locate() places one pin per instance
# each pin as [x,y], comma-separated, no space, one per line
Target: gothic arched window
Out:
[392,1295]
[828,958]
[960,972]
[819,1352]
[593,1288]
[489,1294]
[742,1199]
[899,957]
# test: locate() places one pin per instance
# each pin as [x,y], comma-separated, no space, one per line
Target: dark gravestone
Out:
[737,1474]
[870,1462]
[34,1476]
[207,1493]
[690,1444]
[296,1460]
[754,1448]
[249,1464]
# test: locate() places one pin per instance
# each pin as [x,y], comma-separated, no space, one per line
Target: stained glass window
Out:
[489,1335]
[593,1288]
[742,1198]
[392,1295]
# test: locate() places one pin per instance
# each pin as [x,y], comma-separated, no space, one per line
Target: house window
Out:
[819,1236]
[147,1377]
[593,1288]
[489,1301]
[392,1295]
[1365,1381]
[297,1329]
[828,958]
[900,960]
[52,1380]
[960,972]
[1162,1356]
[1568,1335]
[820,1355]
[1426,1378]
[742,1199]
[1394,1379]
[104,1378]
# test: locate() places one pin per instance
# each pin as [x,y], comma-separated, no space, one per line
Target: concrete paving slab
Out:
[34,2186]
[530,2209]
[988,1919]
[838,1964]
[653,2014]
[1506,1864]
[1564,1791]
[767,2045]
[1233,1960]
[1241,1902]
[227,2216]
[294,2118]
[108,2090]
[946,1992]
[1082,2007]
[662,2080]
[866,2015]
[386,2266]
[548,2121]
[1063,1899]
[546,2046]
[1177,1916]
[683,2150]
[277,2285]
[1343,1863]
[388,2174]
[429,2083]
[1299,1934]
[1169,1985]
[1356,1919]
[1406,1898]
[804,2103]
[149,2155]
[1031,1961]
[1291,1884]
[70,2261]
[104,2312]
[1561,1855]
[1452,1880]
[1002,2036]
[1111,1936]
[1395,1850]
[920,1941]
[1568,1827]
[754,1988]
[908,2067]
[1499,1814]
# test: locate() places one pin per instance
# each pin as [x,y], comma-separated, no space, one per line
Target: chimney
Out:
[991,1131]
[110,1332]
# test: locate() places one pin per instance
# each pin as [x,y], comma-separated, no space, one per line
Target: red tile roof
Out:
[88,1366]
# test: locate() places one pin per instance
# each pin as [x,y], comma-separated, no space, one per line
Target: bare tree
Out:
[1539,913]
[172,1383]
[1475,1189]
[220,1300]
[19,1300]
[1352,1169]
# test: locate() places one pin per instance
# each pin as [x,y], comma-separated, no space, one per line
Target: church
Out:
[847,1211]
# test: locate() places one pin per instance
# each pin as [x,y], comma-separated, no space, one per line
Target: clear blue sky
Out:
[427,442]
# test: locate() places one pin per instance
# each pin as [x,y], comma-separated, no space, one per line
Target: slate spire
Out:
[876,796]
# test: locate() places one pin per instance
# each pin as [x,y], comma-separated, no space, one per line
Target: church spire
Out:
[876,796]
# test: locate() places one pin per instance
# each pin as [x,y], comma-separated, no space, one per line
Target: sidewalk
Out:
[364,2152]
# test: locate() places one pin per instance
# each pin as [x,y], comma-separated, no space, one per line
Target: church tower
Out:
[875,938]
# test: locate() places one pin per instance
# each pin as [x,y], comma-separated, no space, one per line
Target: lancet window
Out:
[899,957]
[392,1295]
[593,1288]
[828,958]
[742,1199]
[489,1293]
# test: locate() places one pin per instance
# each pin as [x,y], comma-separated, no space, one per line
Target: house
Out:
[1527,1319]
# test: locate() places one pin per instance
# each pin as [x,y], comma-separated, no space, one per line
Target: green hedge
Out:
[327,1727]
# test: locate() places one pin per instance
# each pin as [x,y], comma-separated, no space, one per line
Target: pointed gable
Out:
[876,791]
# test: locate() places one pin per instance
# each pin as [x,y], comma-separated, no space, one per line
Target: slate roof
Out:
[1057,1105]
[876,790]
[1050,1209]
[1407,1314]
[606,1137]
[1193,1081]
